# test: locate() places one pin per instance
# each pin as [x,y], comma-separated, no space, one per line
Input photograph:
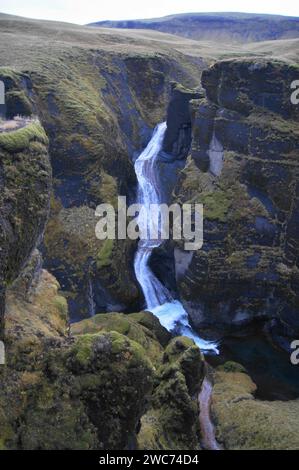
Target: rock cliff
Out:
[25,183]
[243,168]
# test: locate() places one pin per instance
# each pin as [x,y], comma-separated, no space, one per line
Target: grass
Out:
[28,44]
[20,139]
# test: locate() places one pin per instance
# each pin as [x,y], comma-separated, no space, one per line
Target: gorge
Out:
[107,331]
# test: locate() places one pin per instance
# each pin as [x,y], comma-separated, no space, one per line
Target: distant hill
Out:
[230,27]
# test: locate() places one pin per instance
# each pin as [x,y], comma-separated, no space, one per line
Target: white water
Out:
[159,301]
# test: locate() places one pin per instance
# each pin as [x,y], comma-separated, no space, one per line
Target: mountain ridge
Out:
[235,27]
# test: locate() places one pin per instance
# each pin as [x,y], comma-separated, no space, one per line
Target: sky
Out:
[86,11]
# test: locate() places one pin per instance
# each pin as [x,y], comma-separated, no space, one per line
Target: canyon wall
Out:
[243,168]
[25,184]
[98,111]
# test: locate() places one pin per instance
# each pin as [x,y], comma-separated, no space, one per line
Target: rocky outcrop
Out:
[243,167]
[170,419]
[25,183]
[83,392]
[245,423]
[88,387]
[177,138]
[171,422]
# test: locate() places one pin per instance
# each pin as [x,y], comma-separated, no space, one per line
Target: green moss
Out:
[104,322]
[70,236]
[63,427]
[132,350]
[6,431]
[137,327]
[172,420]
[178,346]
[231,366]
[216,205]
[245,423]
[60,303]
[151,323]
[20,139]
[108,189]
[82,349]
[104,255]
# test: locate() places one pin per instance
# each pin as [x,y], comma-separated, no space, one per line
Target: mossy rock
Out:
[231,366]
[20,139]
[245,423]
[24,198]
[172,419]
[82,392]
[216,205]
[141,328]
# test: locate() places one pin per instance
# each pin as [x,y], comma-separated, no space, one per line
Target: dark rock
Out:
[246,270]
[177,138]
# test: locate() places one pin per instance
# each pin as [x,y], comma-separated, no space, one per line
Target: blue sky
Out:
[85,11]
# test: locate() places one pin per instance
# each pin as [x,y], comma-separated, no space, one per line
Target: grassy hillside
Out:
[31,44]
[228,27]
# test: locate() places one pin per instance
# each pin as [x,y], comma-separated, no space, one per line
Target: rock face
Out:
[25,182]
[171,160]
[172,419]
[177,138]
[243,167]
[67,388]
[88,388]
[245,423]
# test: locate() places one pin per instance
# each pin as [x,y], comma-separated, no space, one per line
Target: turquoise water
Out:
[276,378]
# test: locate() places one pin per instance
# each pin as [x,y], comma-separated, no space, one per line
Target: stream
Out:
[208,441]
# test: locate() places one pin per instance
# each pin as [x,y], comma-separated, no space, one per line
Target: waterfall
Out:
[159,301]
[90,299]
[148,193]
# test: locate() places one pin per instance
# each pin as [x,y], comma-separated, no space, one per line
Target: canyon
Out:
[74,313]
